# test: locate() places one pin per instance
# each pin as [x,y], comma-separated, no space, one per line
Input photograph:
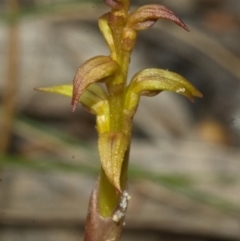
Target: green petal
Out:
[59,89]
[150,82]
[112,147]
[94,97]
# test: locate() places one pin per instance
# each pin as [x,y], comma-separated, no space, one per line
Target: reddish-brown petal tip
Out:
[114,4]
[74,105]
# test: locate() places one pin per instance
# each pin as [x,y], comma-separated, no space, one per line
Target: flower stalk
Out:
[115,107]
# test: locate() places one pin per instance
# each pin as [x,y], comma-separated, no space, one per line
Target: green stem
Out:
[98,228]
[108,196]
[104,202]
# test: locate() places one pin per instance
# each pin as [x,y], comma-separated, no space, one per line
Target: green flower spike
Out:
[114,139]
[115,107]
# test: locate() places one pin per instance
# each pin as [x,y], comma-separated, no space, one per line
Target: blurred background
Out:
[184,177]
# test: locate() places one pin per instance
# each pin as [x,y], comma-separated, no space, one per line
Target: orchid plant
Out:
[115,106]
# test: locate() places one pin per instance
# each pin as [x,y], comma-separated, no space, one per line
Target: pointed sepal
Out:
[97,69]
[112,148]
[94,98]
[147,15]
[150,82]
[58,89]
